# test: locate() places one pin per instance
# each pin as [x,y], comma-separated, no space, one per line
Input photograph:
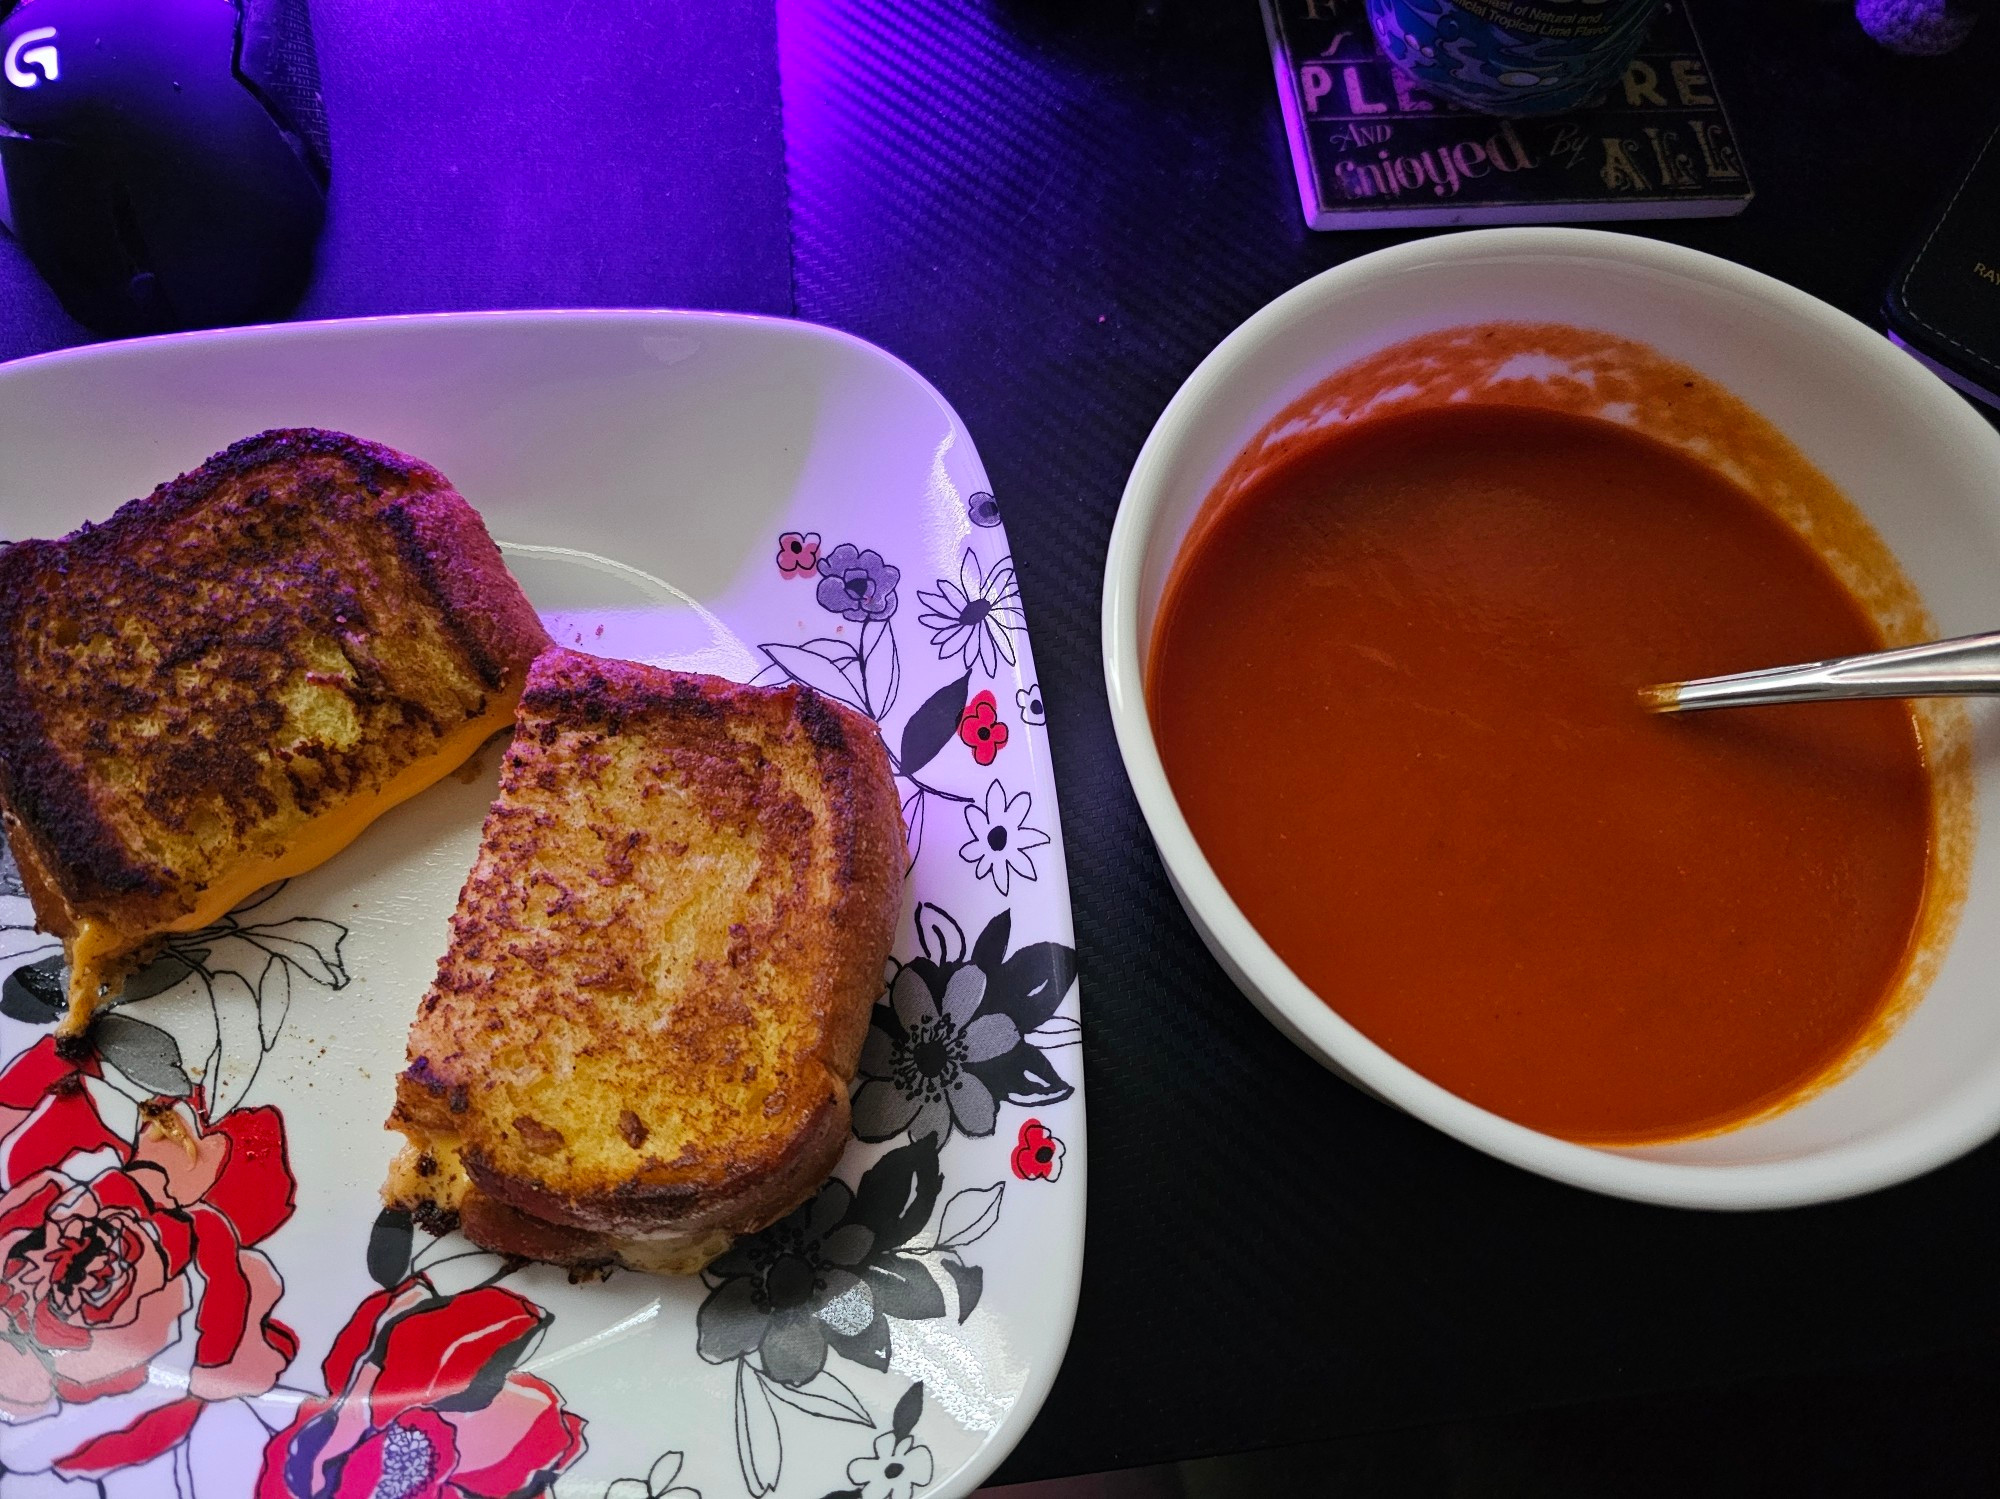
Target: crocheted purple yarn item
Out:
[1915,28]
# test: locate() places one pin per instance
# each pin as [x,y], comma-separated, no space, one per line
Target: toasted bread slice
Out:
[661,969]
[223,684]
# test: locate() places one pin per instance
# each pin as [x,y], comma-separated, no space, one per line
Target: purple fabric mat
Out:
[608,153]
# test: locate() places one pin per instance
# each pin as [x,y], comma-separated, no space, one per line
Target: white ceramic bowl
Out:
[1902,445]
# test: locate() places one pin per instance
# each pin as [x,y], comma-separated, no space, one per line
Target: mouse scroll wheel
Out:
[277,61]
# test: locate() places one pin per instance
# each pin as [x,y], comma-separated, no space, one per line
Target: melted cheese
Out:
[95,950]
[669,1252]
[409,1184]
[91,952]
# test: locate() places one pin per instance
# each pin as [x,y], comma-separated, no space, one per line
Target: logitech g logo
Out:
[27,65]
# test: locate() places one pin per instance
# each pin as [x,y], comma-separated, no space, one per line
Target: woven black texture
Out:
[1054,210]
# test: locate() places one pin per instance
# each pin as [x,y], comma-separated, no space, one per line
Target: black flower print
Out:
[922,1081]
[827,1276]
[1029,700]
[955,1035]
[857,585]
[790,1291]
[975,618]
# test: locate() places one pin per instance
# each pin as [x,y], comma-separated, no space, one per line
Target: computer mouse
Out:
[164,163]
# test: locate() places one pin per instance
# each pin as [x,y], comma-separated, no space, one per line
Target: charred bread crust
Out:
[53,912]
[248,513]
[505,1230]
[69,856]
[449,548]
[575,712]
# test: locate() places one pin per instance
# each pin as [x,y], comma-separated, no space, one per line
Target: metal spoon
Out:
[1942,668]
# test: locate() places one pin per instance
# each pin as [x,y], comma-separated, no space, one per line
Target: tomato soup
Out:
[1394,682]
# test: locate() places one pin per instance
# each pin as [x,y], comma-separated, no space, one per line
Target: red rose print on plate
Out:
[426,1401]
[115,1254]
[979,727]
[1039,1155]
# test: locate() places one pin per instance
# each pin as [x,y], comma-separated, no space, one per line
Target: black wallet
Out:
[1944,305]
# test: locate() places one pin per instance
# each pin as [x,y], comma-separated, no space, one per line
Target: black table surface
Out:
[1054,209]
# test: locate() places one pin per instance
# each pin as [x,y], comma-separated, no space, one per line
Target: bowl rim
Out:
[1948,1129]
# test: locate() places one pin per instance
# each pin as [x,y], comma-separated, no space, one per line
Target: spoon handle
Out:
[1942,668]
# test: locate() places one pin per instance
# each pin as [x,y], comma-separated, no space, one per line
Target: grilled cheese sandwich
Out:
[641,1040]
[225,683]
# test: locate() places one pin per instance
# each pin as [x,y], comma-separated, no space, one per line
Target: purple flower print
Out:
[857,585]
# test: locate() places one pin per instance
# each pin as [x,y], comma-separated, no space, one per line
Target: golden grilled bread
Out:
[661,969]
[223,684]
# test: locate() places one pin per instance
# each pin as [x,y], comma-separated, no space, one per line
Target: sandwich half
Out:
[223,684]
[641,1039]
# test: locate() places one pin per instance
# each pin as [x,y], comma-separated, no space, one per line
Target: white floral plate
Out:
[198,1295]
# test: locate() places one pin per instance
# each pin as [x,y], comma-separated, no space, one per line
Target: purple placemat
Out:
[615,153]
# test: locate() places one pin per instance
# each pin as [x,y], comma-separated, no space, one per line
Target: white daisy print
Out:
[975,618]
[1002,841]
[896,1470]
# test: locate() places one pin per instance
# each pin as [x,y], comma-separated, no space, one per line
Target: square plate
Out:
[198,1292]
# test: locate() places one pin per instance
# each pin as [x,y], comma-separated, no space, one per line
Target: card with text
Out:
[1372,150]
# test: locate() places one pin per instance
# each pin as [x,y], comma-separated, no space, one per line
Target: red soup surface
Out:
[1394,684]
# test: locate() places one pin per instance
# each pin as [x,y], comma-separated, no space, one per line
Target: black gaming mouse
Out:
[163,162]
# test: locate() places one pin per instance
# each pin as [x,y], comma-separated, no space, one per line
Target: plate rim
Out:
[1057,1311]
